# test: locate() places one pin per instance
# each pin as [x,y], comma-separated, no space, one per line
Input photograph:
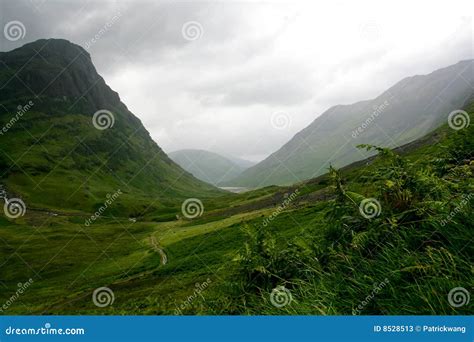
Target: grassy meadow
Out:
[317,249]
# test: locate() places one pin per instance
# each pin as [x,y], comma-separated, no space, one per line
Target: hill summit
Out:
[403,113]
[68,140]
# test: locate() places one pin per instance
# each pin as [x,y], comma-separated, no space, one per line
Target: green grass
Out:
[68,261]
[64,148]
[71,262]
[243,246]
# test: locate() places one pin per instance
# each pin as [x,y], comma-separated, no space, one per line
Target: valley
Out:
[108,224]
[121,255]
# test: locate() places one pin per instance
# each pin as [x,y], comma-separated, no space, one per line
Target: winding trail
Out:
[156,247]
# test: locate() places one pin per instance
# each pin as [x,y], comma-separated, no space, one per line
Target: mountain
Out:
[408,110]
[420,223]
[243,163]
[208,166]
[67,140]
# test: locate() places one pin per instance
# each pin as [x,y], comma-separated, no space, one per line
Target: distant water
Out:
[235,189]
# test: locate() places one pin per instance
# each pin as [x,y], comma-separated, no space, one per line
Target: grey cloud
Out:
[146,31]
[253,59]
[276,83]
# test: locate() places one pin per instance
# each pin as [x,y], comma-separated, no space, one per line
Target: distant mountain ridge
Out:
[56,154]
[209,166]
[243,163]
[411,108]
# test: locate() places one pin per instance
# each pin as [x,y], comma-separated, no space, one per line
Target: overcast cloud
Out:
[251,62]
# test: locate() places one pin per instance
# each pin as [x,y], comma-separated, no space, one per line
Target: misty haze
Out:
[236,158]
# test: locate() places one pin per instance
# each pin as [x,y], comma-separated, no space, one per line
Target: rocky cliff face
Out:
[55,69]
[54,142]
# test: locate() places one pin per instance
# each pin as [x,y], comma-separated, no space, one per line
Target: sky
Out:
[241,78]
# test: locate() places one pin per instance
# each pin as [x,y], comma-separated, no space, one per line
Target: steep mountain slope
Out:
[406,111]
[207,166]
[56,148]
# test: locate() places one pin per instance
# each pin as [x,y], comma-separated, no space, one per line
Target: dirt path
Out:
[156,247]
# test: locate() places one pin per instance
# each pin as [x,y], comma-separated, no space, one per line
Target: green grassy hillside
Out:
[403,113]
[54,154]
[307,247]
